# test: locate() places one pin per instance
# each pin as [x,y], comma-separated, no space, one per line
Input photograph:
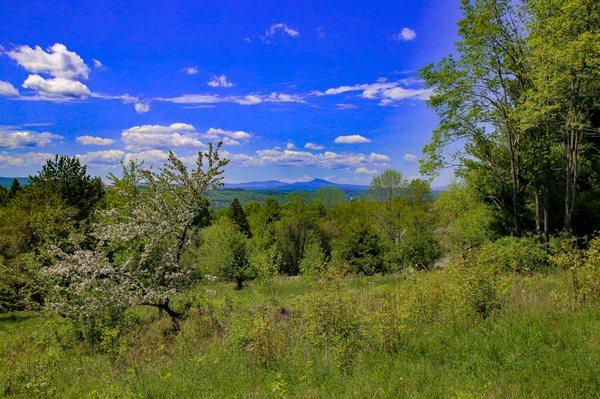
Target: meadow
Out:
[401,335]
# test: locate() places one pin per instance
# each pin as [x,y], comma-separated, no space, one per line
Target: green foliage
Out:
[416,249]
[21,285]
[69,180]
[388,185]
[225,252]
[361,251]
[463,220]
[521,255]
[36,217]
[237,216]
[313,263]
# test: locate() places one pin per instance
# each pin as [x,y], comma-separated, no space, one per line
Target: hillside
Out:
[406,337]
[7,181]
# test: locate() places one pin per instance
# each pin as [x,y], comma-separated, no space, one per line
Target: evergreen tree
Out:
[238,216]
[15,187]
[70,179]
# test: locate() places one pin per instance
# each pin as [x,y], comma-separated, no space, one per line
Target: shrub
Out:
[584,265]
[332,323]
[225,249]
[416,249]
[524,254]
[313,263]
[21,286]
[361,251]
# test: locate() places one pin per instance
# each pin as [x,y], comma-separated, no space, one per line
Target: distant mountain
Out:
[7,181]
[276,185]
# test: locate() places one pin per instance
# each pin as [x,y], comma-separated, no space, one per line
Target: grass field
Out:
[377,337]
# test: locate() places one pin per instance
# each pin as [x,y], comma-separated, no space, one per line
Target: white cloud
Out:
[313,146]
[159,136]
[279,28]
[374,157]
[7,89]
[56,88]
[365,171]
[290,146]
[345,106]
[148,157]
[219,81]
[382,90]
[93,140]
[98,65]
[141,108]
[410,158]
[287,157]
[406,35]
[13,139]
[191,70]
[109,157]
[22,160]
[250,99]
[352,139]
[228,137]
[57,61]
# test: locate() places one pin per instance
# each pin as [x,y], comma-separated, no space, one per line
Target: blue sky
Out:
[296,90]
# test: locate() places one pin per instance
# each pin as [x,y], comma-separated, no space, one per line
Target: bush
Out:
[584,265]
[226,252]
[416,249]
[21,286]
[361,251]
[313,263]
[524,254]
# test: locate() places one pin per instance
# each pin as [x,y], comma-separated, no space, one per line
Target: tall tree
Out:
[476,95]
[238,216]
[69,178]
[565,50]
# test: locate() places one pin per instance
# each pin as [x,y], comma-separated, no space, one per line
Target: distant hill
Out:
[276,185]
[7,181]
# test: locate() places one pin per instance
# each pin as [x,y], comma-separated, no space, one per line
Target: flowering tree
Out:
[137,255]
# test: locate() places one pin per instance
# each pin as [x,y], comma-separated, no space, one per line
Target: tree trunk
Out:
[175,317]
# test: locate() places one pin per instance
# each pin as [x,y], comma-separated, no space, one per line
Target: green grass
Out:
[383,337]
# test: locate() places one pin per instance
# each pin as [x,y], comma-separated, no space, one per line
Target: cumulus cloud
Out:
[290,146]
[21,160]
[109,157]
[228,137]
[7,89]
[191,70]
[14,139]
[406,35]
[382,90]
[219,81]
[365,171]
[279,29]
[57,61]
[56,88]
[159,136]
[93,140]
[313,146]
[352,139]
[410,158]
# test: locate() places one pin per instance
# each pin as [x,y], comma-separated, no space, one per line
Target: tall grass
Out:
[386,337]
